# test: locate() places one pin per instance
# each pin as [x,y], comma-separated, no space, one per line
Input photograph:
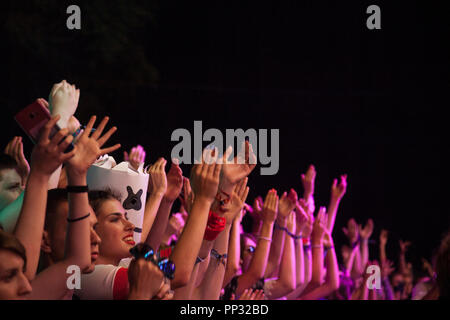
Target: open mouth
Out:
[129,240]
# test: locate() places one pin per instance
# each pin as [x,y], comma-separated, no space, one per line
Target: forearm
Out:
[332,210]
[256,227]
[212,283]
[299,262]
[364,251]
[286,282]
[307,275]
[382,253]
[276,249]
[160,224]
[402,263]
[234,253]
[332,279]
[205,255]
[317,262]
[151,209]
[54,178]
[30,224]
[259,261]
[77,244]
[187,248]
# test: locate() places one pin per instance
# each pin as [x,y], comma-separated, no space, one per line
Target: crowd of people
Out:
[51,221]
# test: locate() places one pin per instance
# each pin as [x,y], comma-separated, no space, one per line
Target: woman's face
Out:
[114,230]
[249,249]
[14,285]
[10,187]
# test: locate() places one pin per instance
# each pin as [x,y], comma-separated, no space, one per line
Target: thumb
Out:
[125,156]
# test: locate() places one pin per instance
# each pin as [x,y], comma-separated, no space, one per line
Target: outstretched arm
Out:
[211,285]
[332,278]
[259,261]
[205,181]
[285,207]
[48,154]
[52,282]
[157,186]
[364,234]
[337,192]
[286,282]
[174,185]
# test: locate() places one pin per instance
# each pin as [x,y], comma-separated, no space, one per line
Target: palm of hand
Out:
[235,172]
[88,151]
[285,206]
[366,232]
[174,185]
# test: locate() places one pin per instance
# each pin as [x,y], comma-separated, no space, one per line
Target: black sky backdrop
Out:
[347,99]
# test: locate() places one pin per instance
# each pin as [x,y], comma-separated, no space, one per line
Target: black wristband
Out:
[77,189]
[78,219]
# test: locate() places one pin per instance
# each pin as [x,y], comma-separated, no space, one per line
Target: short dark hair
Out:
[97,197]
[54,198]
[7,162]
[11,243]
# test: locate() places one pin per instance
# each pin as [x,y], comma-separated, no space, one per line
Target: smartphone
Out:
[33,118]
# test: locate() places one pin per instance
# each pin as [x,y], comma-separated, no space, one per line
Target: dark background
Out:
[347,99]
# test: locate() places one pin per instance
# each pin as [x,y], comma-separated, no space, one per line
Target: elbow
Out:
[288,285]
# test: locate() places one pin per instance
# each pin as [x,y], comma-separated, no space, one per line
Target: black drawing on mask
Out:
[133,201]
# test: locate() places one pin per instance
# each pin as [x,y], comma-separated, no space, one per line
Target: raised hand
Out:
[89,148]
[174,182]
[205,176]
[351,231]
[136,156]
[338,190]
[240,166]
[187,197]
[158,180]
[15,149]
[308,181]
[145,279]
[302,219]
[287,204]
[237,202]
[320,226]
[387,267]
[383,237]
[327,239]
[291,225]
[250,294]
[48,154]
[256,212]
[270,208]
[63,100]
[366,232]
[404,245]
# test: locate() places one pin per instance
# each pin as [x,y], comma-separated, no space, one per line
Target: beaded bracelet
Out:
[220,258]
[265,238]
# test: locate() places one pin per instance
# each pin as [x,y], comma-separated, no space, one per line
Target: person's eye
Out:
[115,219]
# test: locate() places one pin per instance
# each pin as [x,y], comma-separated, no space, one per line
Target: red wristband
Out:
[216,225]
